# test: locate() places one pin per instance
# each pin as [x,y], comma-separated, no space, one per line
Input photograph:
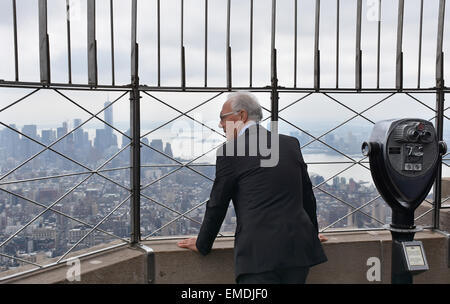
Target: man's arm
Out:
[217,206]
[309,200]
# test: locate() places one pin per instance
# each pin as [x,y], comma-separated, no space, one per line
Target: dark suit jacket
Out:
[275,209]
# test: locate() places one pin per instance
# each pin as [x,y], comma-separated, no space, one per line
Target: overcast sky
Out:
[43,105]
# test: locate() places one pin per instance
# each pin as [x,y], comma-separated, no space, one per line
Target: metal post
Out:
[44,51]
[16,56]
[183,59]
[228,51]
[158,10]
[206,45]
[92,44]
[295,42]
[316,48]
[251,44]
[274,79]
[358,62]
[378,44]
[399,57]
[439,122]
[337,41]
[419,64]
[135,155]
[69,47]
[111,23]
[135,132]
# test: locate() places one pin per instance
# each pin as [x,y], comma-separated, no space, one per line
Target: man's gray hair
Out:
[246,101]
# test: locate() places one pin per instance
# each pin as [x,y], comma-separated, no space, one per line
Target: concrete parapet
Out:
[348,254]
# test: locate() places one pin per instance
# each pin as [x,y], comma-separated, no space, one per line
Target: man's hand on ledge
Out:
[188,244]
[322,238]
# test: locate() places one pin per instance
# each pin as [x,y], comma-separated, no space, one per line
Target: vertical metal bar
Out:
[440,99]
[274,21]
[251,43]
[135,125]
[439,122]
[182,24]
[183,61]
[206,43]
[44,52]
[338,15]
[111,21]
[419,64]
[274,77]
[229,82]
[134,46]
[274,93]
[378,44]
[295,43]
[135,159]
[358,62]
[440,41]
[69,48]
[16,57]
[229,77]
[159,40]
[399,58]
[316,48]
[92,44]
[183,68]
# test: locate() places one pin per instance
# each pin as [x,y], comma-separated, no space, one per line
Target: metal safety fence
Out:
[159,194]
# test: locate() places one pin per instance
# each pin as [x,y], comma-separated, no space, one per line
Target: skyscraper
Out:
[78,133]
[48,136]
[109,137]
[76,122]
[29,147]
[108,114]
[168,150]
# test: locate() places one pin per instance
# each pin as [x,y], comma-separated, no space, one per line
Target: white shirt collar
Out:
[246,126]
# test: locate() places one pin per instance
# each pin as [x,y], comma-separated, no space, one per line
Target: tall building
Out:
[107,139]
[100,141]
[11,141]
[29,147]
[76,122]
[48,136]
[61,131]
[168,150]
[108,113]
[78,134]
[30,130]
[157,144]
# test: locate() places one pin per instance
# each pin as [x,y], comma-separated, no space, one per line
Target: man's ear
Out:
[244,116]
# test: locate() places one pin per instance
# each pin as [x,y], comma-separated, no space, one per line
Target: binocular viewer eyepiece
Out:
[414,132]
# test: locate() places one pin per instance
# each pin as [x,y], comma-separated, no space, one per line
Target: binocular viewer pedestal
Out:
[404,155]
[408,256]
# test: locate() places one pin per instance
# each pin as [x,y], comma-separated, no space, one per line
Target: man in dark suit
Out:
[276,239]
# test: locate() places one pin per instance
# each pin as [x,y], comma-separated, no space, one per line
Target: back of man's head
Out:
[246,101]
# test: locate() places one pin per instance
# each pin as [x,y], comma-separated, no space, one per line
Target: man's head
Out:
[239,108]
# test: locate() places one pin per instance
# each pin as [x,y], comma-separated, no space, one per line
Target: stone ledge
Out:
[347,253]
[347,262]
[115,266]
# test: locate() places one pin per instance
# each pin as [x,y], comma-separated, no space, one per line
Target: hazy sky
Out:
[43,105]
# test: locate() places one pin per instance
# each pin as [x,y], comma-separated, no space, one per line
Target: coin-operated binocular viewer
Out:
[404,156]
